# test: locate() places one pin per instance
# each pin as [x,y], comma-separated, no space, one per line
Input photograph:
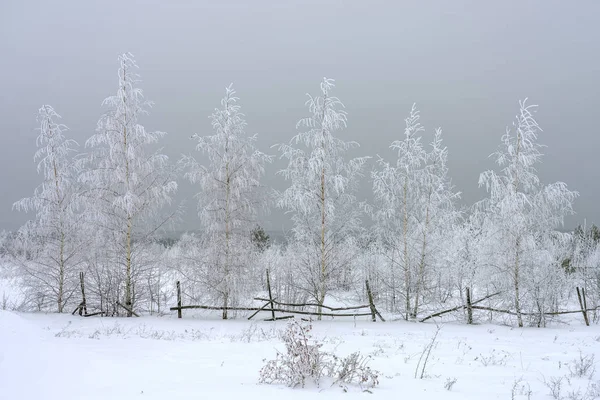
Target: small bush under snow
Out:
[305,362]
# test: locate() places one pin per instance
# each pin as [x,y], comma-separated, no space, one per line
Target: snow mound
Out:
[13,327]
[21,357]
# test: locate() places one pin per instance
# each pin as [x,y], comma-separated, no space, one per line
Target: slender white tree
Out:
[230,196]
[51,242]
[128,183]
[464,250]
[522,212]
[398,201]
[321,194]
[437,215]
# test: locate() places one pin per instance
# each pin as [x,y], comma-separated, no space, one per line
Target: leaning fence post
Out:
[178,300]
[584,301]
[371,305]
[583,306]
[270,295]
[469,308]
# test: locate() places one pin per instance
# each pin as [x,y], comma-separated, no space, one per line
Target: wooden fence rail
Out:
[313,305]
[271,303]
[470,306]
[461,307]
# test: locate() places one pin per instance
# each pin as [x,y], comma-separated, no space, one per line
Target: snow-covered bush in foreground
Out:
[304,362]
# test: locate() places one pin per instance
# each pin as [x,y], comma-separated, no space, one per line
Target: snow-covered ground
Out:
[50,356]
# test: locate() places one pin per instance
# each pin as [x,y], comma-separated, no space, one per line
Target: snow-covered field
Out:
[50,356]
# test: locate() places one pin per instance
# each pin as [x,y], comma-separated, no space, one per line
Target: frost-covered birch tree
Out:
[437,215]
[48,247]
[414,207]
[229,198]
[321,195]
[522,212]
[465,248]
[128,183]
[396,189]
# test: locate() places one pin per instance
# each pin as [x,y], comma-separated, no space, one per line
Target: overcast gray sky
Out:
[465,63]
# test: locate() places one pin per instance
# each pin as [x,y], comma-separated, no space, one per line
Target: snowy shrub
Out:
[66,333]
[116,329]
[450,383]
[255,334]
[301,361]
[555,385]
[584,366]
[593,390]
[520,388]
[494,358]
[576,394]
[304,362]
[354,369]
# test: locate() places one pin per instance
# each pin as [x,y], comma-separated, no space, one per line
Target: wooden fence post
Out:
[469,308]
[178,300]
[583,305]
[83,301]
[371,305]
[584,302]
[270,295]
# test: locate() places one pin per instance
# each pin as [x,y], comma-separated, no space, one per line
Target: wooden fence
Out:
[470,306]
[273,306]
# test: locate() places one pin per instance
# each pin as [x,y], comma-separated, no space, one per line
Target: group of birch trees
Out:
[101,209]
